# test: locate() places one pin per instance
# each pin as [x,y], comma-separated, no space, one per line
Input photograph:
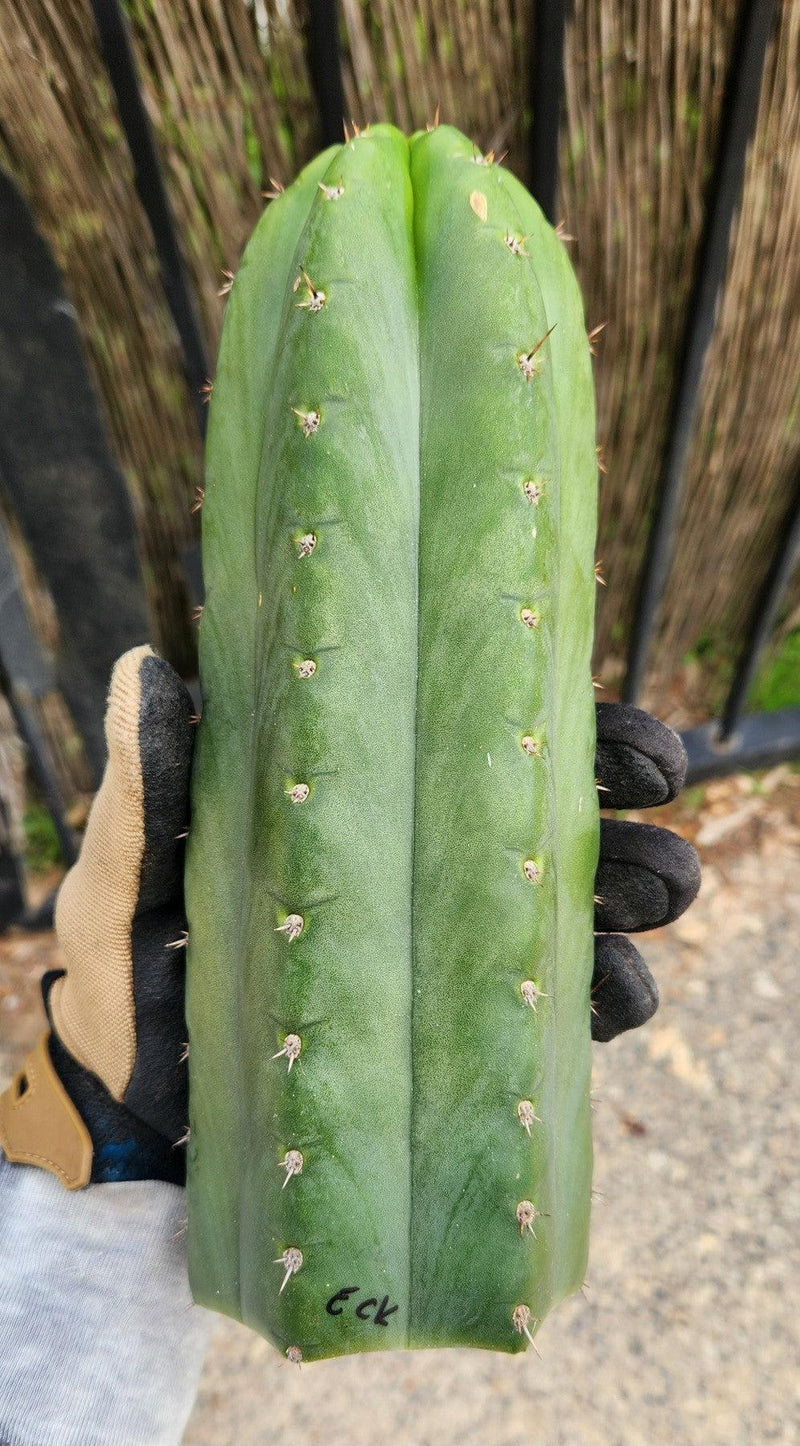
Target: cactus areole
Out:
[394,817]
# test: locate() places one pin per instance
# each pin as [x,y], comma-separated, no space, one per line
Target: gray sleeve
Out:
[100,1343]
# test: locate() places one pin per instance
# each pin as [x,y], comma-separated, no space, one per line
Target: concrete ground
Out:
[689,1333]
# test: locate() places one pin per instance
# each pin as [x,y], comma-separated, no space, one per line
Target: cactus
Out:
[394,818]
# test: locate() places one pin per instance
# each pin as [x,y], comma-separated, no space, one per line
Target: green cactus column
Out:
[394,818]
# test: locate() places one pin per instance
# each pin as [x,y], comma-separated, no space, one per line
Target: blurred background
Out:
[139,143]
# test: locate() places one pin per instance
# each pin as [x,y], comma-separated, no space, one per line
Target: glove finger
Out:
[165,744]
[639,761]
[130,868]
[624,993]
[157,1088]
[130,845]
[646,876]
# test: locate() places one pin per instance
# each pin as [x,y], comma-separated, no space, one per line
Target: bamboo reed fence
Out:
[229,96]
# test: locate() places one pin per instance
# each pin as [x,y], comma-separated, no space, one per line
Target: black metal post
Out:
[58,471]
[25,677]
[12,875]
[761,740]
[112,28]
[544,99]
[325,64]
[739,111]
[32,737]
[772,588]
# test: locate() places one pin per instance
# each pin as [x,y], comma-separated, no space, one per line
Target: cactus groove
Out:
[394,818]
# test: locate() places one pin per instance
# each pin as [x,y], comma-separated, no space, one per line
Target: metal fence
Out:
[734,741]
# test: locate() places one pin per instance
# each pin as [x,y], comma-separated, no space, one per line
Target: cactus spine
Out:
[394,825]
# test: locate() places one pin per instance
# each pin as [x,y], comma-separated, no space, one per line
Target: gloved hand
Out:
[103,1096]
[646,876]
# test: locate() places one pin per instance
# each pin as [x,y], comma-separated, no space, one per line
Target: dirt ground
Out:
[688,1331]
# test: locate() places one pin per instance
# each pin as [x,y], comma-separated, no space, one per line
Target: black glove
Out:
[646,876]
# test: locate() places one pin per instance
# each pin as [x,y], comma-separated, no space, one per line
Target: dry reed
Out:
[228,92]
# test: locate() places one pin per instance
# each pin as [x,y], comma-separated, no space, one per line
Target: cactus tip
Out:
[306,544]
[295,1355]
[306,669]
